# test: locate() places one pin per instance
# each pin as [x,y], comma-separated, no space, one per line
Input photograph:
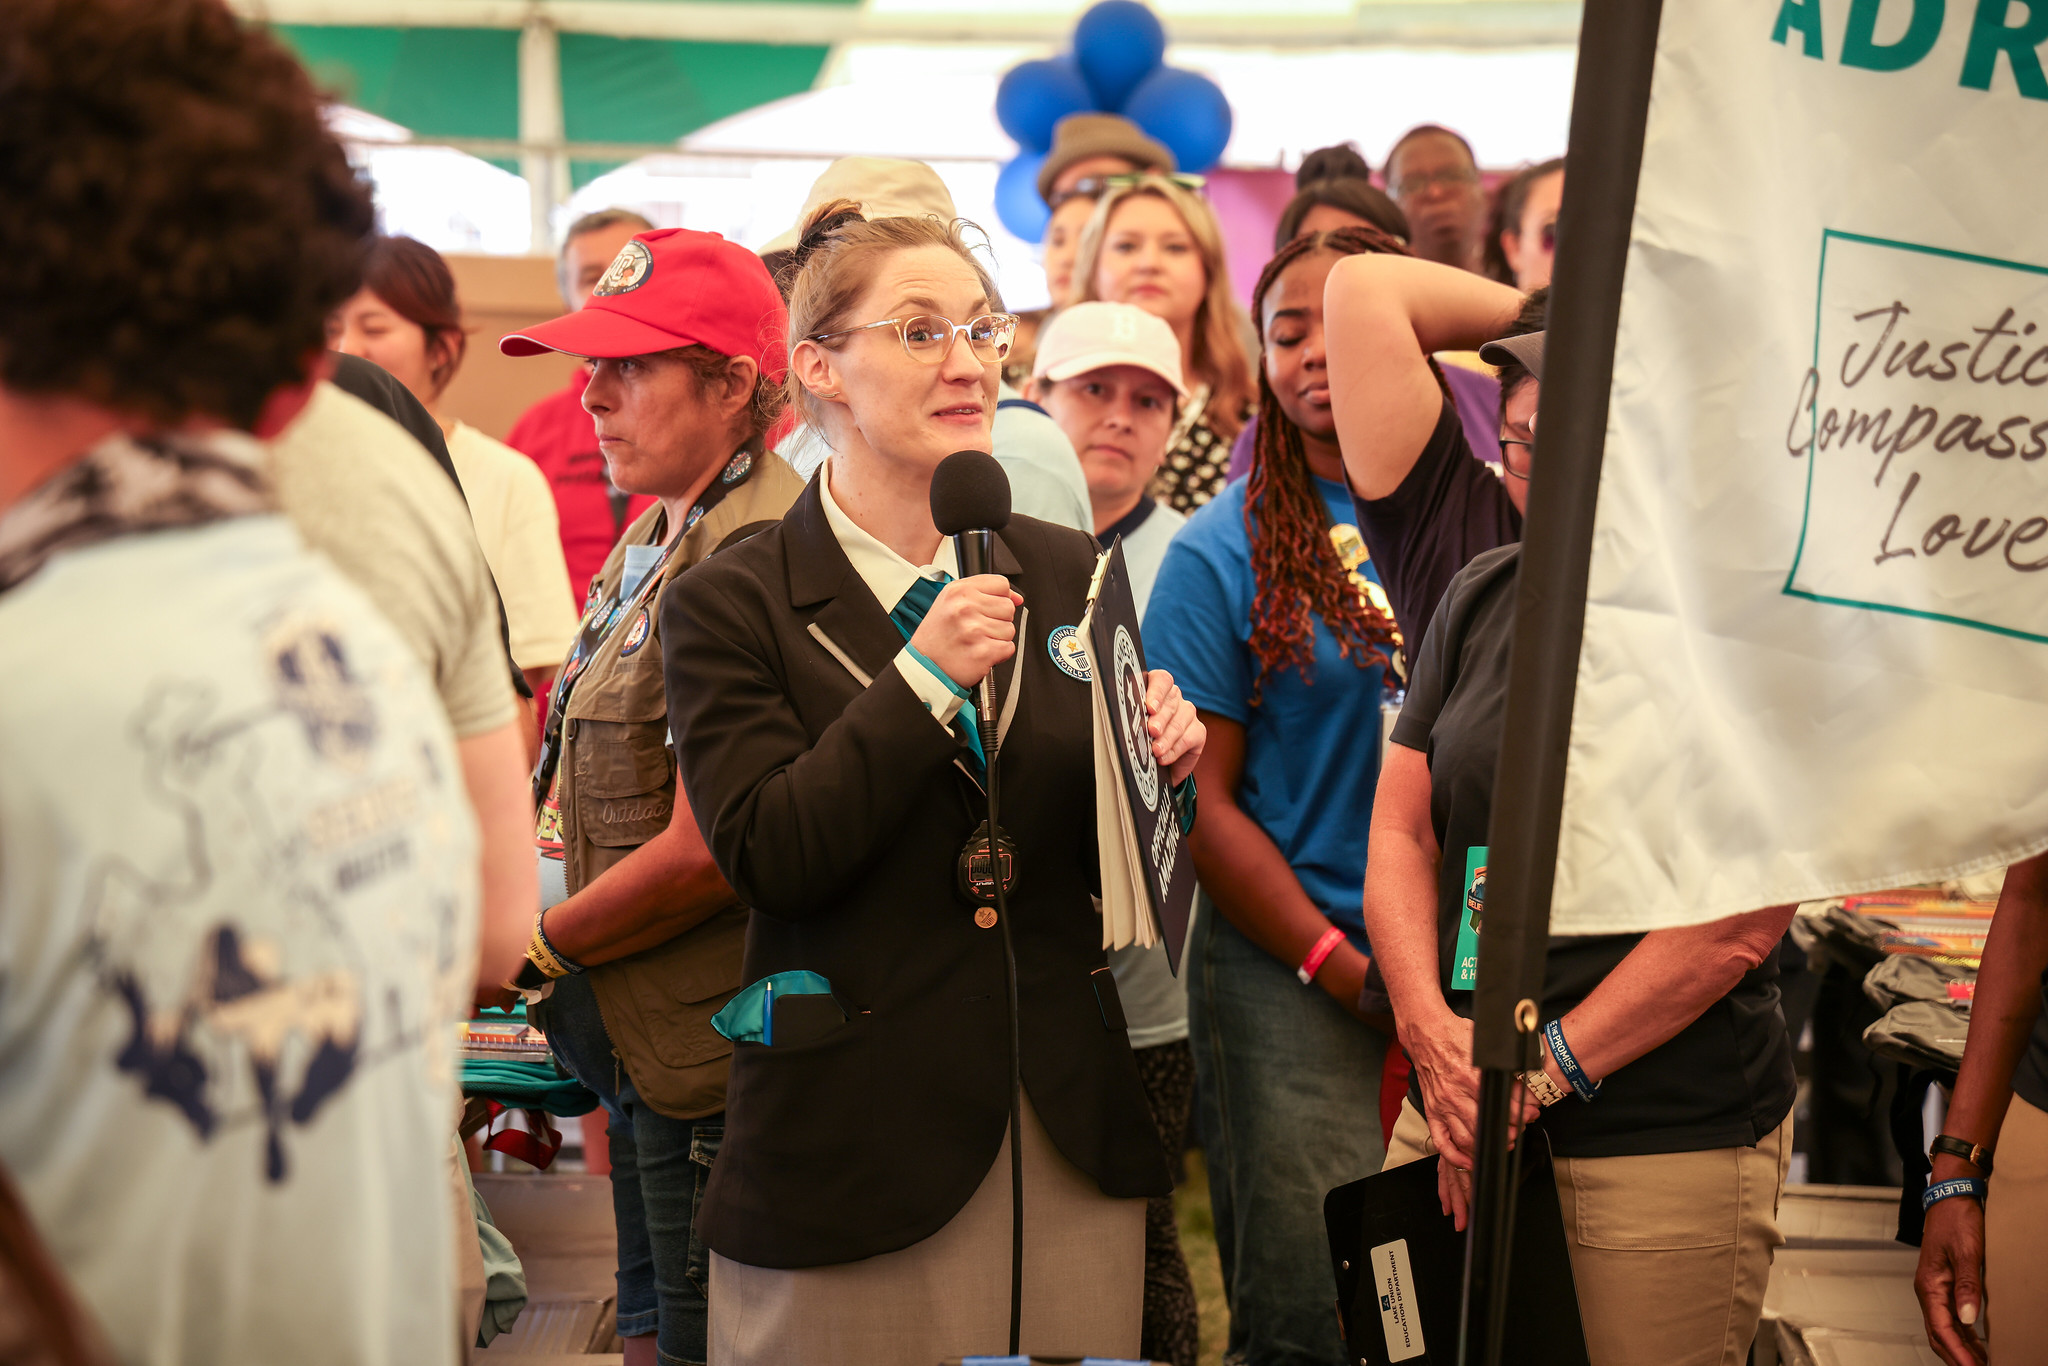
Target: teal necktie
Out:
[908,614]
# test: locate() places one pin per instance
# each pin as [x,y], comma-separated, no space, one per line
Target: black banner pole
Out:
[1617,49]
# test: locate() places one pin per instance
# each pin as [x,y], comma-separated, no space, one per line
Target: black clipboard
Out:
[1117,675]
[1400,1268]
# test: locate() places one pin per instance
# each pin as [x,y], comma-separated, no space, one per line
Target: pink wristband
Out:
[1319,955]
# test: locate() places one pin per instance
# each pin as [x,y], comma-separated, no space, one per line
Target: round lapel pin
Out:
[636,634]
[1067,651]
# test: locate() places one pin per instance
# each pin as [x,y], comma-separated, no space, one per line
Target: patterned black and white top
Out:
[1197,457]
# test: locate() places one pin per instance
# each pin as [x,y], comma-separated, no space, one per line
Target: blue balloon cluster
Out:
[1115,67]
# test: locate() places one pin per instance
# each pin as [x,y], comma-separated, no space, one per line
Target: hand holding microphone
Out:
[971,628]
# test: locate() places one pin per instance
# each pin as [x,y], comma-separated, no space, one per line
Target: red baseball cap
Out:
[668,288]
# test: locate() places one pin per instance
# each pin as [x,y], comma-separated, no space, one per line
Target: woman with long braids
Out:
[1271,619]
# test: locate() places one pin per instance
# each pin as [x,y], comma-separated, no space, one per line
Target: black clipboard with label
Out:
[1148,877]
[1400,1268]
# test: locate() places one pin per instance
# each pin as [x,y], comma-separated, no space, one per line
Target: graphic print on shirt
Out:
[1353,555]
[301,819]
[1357,561]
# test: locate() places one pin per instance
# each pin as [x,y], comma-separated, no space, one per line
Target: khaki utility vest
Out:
[617,791]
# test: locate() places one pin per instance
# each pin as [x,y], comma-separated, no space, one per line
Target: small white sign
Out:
[1398,1317]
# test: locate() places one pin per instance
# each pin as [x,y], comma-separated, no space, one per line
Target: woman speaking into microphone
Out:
[819,682]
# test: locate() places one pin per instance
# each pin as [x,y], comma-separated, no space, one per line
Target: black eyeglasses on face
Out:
[1517,456]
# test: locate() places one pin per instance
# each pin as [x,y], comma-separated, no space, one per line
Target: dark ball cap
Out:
[969,492]
[1527,348]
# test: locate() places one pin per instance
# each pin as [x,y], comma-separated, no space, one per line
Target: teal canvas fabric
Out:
[745,1015]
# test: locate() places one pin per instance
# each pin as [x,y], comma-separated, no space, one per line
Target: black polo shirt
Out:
[1726,1079]
[1451,507]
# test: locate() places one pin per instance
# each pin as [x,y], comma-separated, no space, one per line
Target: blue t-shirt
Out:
[1312,751]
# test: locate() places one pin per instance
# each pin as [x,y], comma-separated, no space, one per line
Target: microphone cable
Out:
[987,723]
[970,497]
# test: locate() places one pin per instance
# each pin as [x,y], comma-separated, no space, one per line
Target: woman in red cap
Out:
[818,679]
[638,939]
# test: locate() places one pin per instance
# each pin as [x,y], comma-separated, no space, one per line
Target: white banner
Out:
[1816,644]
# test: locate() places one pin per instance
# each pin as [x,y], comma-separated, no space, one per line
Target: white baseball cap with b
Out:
[1096,335]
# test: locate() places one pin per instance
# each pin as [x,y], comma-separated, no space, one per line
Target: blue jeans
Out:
[1287,1090]
[659,1169]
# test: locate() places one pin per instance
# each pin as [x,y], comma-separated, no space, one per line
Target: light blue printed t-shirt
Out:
[1312,750]
[238,904]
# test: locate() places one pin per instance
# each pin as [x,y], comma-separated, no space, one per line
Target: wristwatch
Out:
[1542,1089]
[1976,1154]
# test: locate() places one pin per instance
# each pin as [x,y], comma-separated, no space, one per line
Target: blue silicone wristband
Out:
[1972,1186]
[540,927]
[1567,1064]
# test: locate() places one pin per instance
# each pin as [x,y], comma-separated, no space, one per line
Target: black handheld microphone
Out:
[971,503]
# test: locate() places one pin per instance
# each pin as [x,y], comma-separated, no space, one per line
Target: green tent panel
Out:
[439,82]
[464,82]
[653,90]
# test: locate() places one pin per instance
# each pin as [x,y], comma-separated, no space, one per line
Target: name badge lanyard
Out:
[604,615]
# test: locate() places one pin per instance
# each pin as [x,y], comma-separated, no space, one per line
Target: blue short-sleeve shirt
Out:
[1311,748]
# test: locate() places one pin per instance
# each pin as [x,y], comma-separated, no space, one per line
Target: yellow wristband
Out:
[543,958]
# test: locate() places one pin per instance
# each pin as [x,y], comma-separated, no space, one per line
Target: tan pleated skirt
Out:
[949,1296]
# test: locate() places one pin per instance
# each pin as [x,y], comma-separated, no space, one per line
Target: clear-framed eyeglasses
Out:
[1451,177]
[929,338]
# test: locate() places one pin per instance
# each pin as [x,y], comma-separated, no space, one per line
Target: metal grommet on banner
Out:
[1525,1016]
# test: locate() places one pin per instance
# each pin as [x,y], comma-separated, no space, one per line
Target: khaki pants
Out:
[2015,1253]
[949,1295]
[1670,1252]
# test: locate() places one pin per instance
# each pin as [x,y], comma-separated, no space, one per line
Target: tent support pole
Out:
[1617,49]
[540,122]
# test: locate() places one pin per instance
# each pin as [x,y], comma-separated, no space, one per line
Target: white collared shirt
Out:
[889,576]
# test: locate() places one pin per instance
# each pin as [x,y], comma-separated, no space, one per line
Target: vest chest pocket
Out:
[625,786]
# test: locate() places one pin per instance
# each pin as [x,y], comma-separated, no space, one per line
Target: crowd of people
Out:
[331,719]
